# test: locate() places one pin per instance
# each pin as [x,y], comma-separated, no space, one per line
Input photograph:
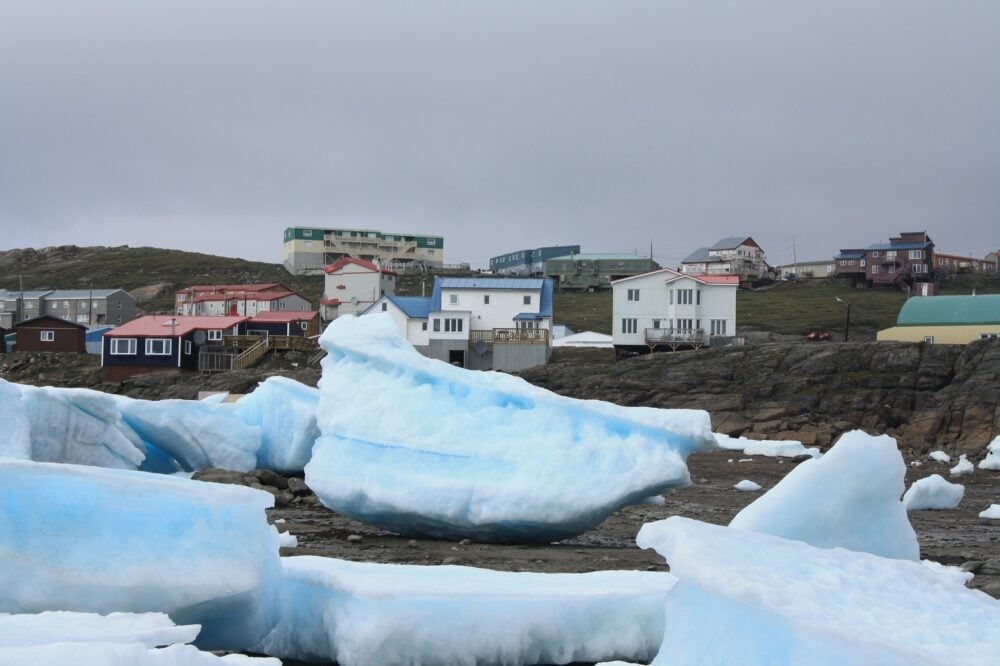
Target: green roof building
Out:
[953,320]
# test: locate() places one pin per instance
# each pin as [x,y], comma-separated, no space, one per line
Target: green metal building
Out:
[581,272]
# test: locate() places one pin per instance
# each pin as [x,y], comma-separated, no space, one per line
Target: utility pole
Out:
[795,258]
[90,302]
[20,302]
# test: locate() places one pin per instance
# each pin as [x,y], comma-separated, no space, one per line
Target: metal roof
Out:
[900,246]
[491,283]
[851,254]
[598,257]
[165,326]
[730,243]
[33,293]
[82,293]
[699,256]
[950,310]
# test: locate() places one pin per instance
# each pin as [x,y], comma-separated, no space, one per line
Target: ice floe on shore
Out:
[419,447]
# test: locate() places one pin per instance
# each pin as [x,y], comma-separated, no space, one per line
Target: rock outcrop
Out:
[927,396]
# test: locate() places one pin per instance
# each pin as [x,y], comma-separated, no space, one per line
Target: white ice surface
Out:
[933,492]
[992,459]
[940,456]
[747,486]
[993,513]
[148,629]
[288,540]
[849,498]
[748,598]
[765,447]
[285,411]
[362,613]
[421,447]
[963,468]
[98,540]
[121,654]
[196,434]
[15,441]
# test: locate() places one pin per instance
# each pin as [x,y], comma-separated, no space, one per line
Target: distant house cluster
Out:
[738,255]
[89,307]
[216,300]
[529,262]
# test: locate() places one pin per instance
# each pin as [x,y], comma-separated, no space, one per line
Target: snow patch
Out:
[933,492]
[747,486]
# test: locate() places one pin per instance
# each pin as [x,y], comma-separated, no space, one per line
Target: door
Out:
[457,357]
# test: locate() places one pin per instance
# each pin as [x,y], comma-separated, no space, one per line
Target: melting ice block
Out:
[849,498]
[122,654]
[933,492]
[149,629]
[765,447]
[749,599]
[421,447]
[97,540]
[992,459]
[285,411]
[66,425]
[198,435]
[361,613]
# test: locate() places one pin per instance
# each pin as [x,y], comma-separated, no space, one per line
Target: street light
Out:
[847,323]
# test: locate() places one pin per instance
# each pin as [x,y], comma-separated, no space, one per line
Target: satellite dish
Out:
[200,337]
[480,347]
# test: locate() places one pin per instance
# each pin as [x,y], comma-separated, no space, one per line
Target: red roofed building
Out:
[238,299]
[351,285]
[299,324]
[159,343]
[667,310]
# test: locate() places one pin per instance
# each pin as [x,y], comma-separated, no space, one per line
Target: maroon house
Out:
[50,334]
[906,259]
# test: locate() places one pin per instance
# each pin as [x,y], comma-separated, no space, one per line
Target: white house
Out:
[352,285]
[477,323]
[666,309]
[738,255]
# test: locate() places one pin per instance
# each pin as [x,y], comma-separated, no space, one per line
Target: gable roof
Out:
[224,288]
[82,293]
[950,310]
[851,254]
[699,256]
[545,286]
[33,293]
[349,261]
[414,307]
[160,325]
[284,316]
[50,318]
[900,246]
[672,275]
[733,242]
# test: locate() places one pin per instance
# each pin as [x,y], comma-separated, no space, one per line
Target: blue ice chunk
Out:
[421,447]
[359,613]
[98,540]
[285,411]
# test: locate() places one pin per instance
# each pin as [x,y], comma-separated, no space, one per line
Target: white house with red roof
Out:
[668,310]
[351,285]
[215,300]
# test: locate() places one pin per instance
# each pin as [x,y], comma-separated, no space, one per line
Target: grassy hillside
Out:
[159,271]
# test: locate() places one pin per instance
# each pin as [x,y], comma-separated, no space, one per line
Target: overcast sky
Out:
[211,126]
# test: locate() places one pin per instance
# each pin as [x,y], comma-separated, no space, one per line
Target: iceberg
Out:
[360,613]
[786,448]
[963,468]
[754,599]
[940,456]
[148,629]
[198,435]
[933,492]
[747,486]
[992,513]
[420,447]
[992,459]
[849,498]
[88,539]
[67,425]
[285,411]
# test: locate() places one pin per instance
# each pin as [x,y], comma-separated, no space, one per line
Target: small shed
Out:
[50,334]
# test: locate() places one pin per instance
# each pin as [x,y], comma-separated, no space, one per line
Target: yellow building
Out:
[946,320]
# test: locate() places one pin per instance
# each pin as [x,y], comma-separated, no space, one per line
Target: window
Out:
[874,268]
[452,325]
[633,295]
[527,300]
[48,336]
[385,307]
[862,263]
[685,296]
[158,346]
[486,299]
[630,326]
[890,254]
[82,319]
[919,268]
[187,347]
[423,326]
[123,346]
[718,326]
[875,253]
[304,325]
[453,299]
[437,325]
[987,336]
[215,336]
[656,323]
[684,325]
[432,241]
[697,296]
[671,296]
[916,254]
[307,233]
[929,339]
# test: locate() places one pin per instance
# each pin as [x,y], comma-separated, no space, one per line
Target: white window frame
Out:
[916,254]
[486,299]
[168,346]
[214,335]
[131,345]
[630,326]
[48,336]
[633,295]
[527,299]
[929,339]
[453,299]
[187,347]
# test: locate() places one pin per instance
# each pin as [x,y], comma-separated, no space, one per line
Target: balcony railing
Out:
[675,336]
[513,336]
